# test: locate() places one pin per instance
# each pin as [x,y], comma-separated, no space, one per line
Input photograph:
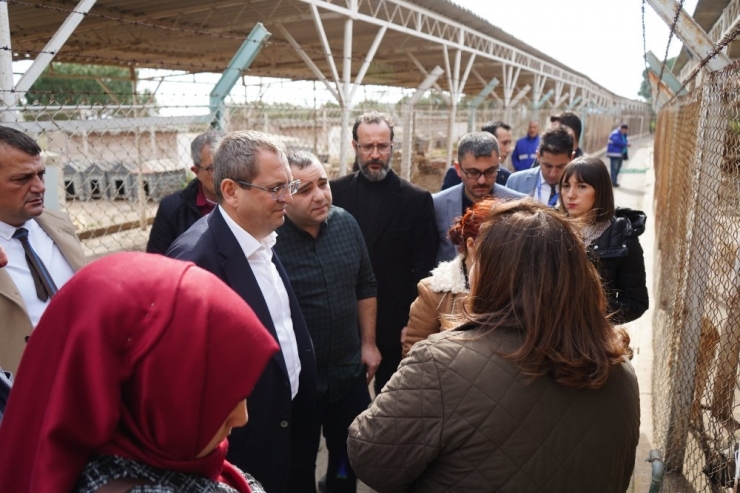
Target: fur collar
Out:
[448,276]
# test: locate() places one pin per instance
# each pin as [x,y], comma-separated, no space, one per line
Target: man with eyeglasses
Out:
[477,166]
[554,153]
[179,211]
[322,248]
[502,132]
[254,184]
[397,222]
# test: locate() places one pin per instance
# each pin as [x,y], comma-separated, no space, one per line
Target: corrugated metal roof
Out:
[198,36]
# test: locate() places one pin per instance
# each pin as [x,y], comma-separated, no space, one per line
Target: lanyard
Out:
[553,200]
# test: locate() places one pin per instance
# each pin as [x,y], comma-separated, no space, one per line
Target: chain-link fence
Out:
[116,147]
[697,318]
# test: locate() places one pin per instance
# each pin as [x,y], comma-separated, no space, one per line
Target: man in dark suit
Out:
[254,183]
[397,223]
[477,166]
[177,212]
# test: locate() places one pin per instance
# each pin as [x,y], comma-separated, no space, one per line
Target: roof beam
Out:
[52,47]
[311,64]
[368,60]
[242,59]
[690,33]
[668,78]
[327,49]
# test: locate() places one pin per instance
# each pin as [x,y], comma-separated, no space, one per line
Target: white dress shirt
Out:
[20,273]
[542,189]
[259,255]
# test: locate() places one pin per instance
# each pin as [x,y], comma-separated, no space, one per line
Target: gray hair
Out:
[479,144]
[302,159]
[236,156]
[210,138]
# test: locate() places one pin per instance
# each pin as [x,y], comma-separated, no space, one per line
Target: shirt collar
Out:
[7,231]
[247,242]
[200,197]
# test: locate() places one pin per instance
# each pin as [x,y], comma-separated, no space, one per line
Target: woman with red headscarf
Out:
[133,379]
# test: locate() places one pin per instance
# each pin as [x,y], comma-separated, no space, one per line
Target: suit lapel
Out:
[240,277]
[454,205]
[62,232]
[10,291]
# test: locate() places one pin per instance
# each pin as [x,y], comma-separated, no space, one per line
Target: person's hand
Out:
[403,335]
[371,359]
[3,258]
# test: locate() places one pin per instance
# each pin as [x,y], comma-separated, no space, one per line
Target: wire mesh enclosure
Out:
[697,319]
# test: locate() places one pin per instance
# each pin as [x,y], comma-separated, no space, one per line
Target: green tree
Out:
[105,88]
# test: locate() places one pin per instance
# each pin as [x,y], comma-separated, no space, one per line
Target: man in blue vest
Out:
[525,151]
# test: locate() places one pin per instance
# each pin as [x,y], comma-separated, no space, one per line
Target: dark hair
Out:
[19,140]
[302,159]
[492,126]
[624,125]
[549,291]
[556,141]
[592,171]
[469,224]
[479,144]
[554,118]
[210,138]
[372,117]
[570,119]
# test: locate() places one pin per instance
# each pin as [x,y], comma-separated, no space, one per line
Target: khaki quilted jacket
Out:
[456,417]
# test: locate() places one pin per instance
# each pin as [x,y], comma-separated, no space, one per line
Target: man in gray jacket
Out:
[477,166]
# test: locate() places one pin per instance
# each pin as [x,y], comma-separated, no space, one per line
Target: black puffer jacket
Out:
[176,213]
[619,257]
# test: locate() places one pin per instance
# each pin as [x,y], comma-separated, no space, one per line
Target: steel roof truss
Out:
[404,17]
[311,64]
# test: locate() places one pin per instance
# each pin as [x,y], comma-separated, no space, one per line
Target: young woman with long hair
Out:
[610,235]
[532,393]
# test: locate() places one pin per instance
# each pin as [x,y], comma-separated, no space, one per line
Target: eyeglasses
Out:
[208,170]
[277,192]
[475,173]
[368,148]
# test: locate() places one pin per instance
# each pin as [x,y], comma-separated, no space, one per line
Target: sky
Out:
[602,40]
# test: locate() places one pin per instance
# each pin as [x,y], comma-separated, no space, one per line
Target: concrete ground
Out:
[636,191]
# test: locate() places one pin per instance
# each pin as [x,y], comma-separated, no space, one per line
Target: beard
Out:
[374,176]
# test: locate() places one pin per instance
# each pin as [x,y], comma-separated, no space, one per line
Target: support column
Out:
[408,133]
[473,106]
[6,67]
[242,59]
[347,92]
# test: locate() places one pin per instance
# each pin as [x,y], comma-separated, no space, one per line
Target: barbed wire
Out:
[644,42]
[679,7]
